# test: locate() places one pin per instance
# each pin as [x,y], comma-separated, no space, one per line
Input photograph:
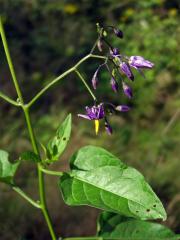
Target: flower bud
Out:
[122,108]
[125,68]
[127,90]
[140,62]
[114,52]
[118,33]
[95,79]
[114,84]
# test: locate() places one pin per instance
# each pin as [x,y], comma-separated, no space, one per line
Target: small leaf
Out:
[30,156]
[57,145]
[7,169]
[112,226]
[101,180]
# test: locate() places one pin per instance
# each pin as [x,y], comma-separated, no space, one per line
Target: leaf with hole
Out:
[101,180]
[30,156]
[7,169]
[57,145]
[115,226]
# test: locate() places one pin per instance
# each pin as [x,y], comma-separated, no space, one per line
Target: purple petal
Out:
[122,108]
[95,112]
[127,90]
[84,116]
[101,112]
[114,84]
[114,52]
[88,110]
[125,68]
[140,62]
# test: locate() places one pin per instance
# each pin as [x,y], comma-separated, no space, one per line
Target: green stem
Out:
[88,238]
[25,108]
[94,46]
[40,175]
[86,85]
[9,100]
[39,94]
[49,172]
[99,238]
[25,196]
[11,67]
[30,129]
[49,85]
[43,203]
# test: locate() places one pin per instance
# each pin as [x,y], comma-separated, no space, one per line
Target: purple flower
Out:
[95,79]
[125,68]
[97,112]
[94,112]
[122,108]
[140,62]
[127,90]
[114,84]
[114,52]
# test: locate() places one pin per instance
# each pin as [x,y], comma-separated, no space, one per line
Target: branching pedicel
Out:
[96,178]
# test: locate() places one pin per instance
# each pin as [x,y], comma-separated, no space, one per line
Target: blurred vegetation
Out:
[48,37]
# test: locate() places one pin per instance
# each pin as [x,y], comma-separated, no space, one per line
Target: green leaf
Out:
[112,226]
[7,169]
[101,180]
[57,145]
[90,157]
[30,156]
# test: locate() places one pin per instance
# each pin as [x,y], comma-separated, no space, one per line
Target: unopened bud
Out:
[118,33]
[95,79]
[127,90]
[122,108]
[114,84]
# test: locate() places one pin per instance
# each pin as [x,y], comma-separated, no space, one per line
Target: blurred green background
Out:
[48,37]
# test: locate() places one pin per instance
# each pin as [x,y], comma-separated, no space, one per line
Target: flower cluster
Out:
[117,65]
[122,64]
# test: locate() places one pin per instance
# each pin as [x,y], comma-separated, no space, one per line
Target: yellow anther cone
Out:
[96,124]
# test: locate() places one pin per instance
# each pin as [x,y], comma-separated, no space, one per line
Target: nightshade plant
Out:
[96,177]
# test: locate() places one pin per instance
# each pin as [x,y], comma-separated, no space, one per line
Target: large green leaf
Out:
[114,226]
[101,180]
[7,169]
[57,145]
